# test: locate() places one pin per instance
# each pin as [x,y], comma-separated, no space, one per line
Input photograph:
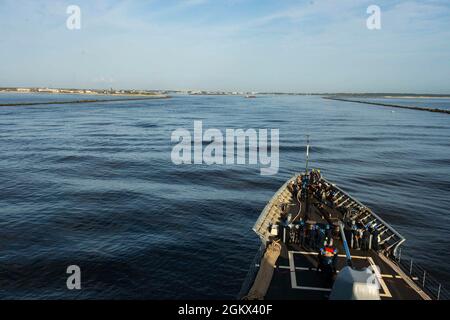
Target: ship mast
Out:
[306,180]
[307,154]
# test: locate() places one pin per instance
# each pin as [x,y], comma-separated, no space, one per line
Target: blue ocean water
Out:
[93,185]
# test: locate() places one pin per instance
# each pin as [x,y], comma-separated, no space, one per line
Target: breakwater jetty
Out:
[82,101]
[390,105]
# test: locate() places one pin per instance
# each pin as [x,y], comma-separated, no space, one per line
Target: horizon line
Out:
[231,91]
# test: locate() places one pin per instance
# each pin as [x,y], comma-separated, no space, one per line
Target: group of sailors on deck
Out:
[359,236]
[309,235]
[315,237]
[363,237]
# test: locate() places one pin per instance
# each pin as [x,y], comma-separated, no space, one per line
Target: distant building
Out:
[47,90]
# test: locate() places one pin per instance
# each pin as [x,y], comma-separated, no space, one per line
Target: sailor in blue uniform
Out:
[328,231]
[375,240]
[312,236]
[301,231]
[365,239]
[327,259]
[321,237]
[354,242]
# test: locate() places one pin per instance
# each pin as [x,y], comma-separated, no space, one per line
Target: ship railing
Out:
[261,227]
[251,273]
[390,239]
[423,279]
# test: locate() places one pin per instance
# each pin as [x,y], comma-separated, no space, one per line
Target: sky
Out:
[234,45]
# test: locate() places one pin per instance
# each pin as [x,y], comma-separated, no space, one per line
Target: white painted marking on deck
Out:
[294,283]
[391,276]
[386,293]
[315,254]
[312,288]
[297,268]
[293,268]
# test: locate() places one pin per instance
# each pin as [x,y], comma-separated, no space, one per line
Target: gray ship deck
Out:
[295,276]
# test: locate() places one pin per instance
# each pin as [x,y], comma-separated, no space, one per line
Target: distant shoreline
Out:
[135,92]
[86,93]
[82,101]
[390,105]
